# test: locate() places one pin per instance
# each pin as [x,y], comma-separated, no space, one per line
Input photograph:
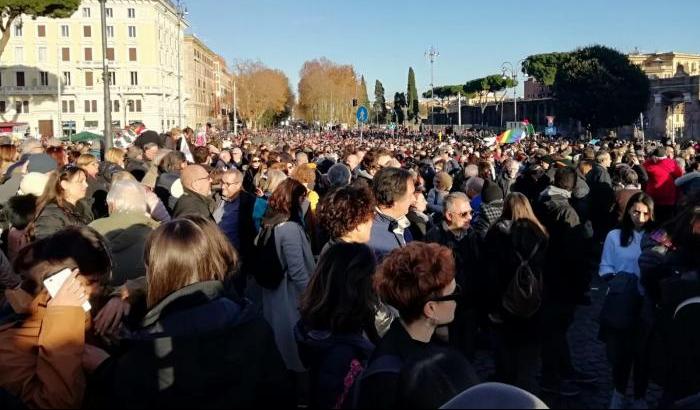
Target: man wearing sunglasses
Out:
[196,199]
[455,232]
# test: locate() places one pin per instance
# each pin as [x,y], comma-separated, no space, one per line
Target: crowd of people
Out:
[329,270]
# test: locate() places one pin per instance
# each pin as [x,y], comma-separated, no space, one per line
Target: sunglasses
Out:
[455,296]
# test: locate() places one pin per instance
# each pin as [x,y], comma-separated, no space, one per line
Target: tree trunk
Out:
[6,33]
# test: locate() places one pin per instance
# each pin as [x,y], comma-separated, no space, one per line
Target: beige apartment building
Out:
[51,70]
[667,65]
[209,85]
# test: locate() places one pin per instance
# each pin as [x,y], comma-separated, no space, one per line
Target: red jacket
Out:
[662,181]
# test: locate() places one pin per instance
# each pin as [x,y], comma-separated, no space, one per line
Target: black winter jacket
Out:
[53,219]
[196,349]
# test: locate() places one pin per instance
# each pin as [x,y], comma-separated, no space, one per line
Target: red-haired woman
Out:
[419,281]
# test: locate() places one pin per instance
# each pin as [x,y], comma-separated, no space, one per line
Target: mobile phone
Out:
[54,283]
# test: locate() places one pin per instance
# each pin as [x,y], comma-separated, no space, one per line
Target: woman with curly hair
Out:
[347,214]
[418,280]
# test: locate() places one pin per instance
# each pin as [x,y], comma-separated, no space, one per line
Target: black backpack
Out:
[523,297]
[266,266]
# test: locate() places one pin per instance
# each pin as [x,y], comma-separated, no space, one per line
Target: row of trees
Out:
[326,92]
[596,85]
[264,95]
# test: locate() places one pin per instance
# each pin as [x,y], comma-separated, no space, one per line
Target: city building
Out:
[209,85]
[666,65]
[51,71]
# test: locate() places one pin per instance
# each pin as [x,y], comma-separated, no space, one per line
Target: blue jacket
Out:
[384,239]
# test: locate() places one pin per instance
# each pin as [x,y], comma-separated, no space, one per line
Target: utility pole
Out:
[459,107]
[235,110]
[432,54]
[105,79]
[59,89]
[181,11]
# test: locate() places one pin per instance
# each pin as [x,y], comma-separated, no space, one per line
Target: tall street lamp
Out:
[432,54]
[105,79]
[509,68]
[181,11]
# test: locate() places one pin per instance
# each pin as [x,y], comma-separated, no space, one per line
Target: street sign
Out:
[362,115]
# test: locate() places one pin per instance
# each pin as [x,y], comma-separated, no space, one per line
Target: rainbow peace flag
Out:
[511,136]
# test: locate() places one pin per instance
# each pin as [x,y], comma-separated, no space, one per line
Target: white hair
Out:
[127,196]
[451,201]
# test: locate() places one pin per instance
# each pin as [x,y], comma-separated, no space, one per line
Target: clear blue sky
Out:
[383,38]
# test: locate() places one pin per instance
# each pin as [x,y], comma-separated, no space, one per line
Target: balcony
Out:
[29,90]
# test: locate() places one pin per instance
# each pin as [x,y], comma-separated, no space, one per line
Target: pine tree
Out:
[364,98]
[379,102]
[412,96]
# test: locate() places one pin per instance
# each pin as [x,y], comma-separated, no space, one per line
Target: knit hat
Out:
[491,193]
[339,175]
[33,183]
[41,163]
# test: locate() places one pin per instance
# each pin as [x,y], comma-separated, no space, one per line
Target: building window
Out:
[115,106]
[110,54]
[25,105]
[65,31]
[44,78]
[109,12]
[138,105]
[86,12]
[132,54]
[91,124]
[3,107]
[94,105]
[134,78]
[18,30]
[132,31]
[66,78]
[18,107]
[19,55]
[41,30]
[132,13]
[88,54]
[65,53]
[20,78]
[130,105]
[110,31]
[112,78]
[42,54]
[64,106]
[87,31]
[71,106]
[89,79]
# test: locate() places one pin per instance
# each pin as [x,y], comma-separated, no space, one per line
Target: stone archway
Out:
[675,106]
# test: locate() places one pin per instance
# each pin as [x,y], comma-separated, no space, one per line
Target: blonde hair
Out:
[115,155]
[85,160]
[517,207]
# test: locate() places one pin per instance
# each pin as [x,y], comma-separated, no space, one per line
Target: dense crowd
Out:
[330,270]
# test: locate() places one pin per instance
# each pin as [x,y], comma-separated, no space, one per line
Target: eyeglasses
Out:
[231,183]
[455,296]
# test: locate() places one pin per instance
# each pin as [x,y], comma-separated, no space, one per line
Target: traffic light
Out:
[354,102]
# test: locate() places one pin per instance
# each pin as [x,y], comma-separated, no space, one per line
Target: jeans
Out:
[626,351]
[557,318]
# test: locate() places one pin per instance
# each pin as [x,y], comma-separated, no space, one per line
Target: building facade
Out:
[666,65]
[51,71]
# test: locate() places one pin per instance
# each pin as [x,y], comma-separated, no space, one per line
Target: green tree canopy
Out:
[10,10]
[544,67]
[364,98]
[399,105]
[600,87]
[380,110]
[412,96]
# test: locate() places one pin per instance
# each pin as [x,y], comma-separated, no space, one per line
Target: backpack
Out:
[523,296]
[267,268]
[353,380]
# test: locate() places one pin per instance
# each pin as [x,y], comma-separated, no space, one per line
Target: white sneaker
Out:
[640,404]
[618,401]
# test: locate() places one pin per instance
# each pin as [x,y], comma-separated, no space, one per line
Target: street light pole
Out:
[181,11]
[105,79]
[235,110]
[432,54]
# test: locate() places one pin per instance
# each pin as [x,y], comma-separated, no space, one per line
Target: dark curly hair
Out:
[344,209]
[410,276]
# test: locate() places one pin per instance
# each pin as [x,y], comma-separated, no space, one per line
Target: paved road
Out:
[589,356]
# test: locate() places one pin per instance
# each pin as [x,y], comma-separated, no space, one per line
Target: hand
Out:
[71,294]
[259,193]
[93,357]
[110,317]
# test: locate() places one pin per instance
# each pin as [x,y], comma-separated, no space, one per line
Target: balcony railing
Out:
[30,89]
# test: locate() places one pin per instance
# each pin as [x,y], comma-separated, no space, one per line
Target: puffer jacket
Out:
[54,218]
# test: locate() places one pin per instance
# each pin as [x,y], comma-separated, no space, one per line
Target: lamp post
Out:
[105,79]
[509,68]
[432,54]
[181,11]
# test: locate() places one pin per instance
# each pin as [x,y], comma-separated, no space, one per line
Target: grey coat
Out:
[281,306]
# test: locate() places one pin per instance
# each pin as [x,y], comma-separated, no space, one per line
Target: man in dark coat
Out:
[455,233]
[234,215]
[602,196]
[394,190]
[196,199]
[565,283]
